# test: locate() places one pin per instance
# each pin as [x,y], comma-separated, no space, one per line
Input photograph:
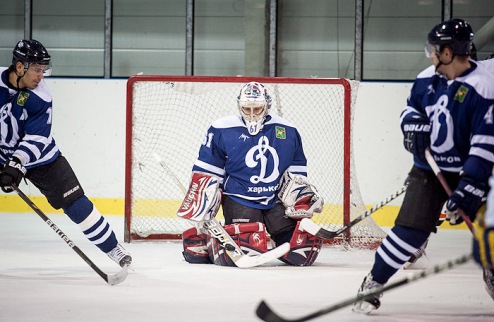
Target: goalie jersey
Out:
[461,117]
[25,124]
[250,166]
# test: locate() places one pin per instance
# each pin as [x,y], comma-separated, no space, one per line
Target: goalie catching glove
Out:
[299,197]
[203,199]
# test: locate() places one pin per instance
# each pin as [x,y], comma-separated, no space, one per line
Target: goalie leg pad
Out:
[195,247]
[304,248]
[250,237]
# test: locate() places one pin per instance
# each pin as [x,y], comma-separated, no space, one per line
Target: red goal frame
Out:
[244,79]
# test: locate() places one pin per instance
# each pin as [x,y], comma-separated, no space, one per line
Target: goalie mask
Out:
[254,103]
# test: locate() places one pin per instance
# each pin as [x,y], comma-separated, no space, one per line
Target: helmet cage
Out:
[253,104]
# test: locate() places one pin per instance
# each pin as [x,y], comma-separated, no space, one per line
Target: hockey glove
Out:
[468,196]
[416,135]
[12,174]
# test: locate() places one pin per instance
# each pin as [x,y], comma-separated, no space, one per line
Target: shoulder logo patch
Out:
[461,93]
[22,98]
[280,132]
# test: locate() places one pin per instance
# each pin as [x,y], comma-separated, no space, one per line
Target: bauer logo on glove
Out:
[203,199]
[299,197]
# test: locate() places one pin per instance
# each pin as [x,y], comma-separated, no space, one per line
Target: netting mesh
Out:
[170,119]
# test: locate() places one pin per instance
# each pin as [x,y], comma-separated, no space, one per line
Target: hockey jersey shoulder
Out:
[488,64]
[481,80]
[428,72]
[275,119]
[228,122]
[42,91]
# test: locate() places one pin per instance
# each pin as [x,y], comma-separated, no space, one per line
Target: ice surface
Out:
[42,279]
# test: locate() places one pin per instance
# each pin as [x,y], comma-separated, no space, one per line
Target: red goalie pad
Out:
[251,237]
[304,248]
[195,247]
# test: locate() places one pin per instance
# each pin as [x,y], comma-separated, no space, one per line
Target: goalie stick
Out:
[110,279]
[265,313]
[440,177]
[226,241]
[316,230]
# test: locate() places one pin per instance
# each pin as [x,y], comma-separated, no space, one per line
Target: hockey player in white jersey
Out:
[450,112]
[254,164]
[28,150]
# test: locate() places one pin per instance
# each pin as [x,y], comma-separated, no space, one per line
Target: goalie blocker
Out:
[201,248]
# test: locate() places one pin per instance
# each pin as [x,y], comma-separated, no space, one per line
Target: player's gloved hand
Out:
[416,135]
[468,196]
[12,174]
[483,249]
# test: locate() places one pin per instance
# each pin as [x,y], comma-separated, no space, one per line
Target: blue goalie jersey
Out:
[461,117]
[250,167]
[25,124]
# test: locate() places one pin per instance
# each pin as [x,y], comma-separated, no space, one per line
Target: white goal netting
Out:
[167,118]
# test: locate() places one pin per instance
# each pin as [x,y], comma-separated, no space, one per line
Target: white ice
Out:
[42,279]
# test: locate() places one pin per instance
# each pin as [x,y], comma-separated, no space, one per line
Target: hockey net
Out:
[168,116]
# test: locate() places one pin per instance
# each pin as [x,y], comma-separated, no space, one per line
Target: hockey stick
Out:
[444,183]
[226,241]
[265,313]
[110,279]
[316,230]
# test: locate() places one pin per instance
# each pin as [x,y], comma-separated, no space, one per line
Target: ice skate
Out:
[120,256]
[489,281]
[372,303]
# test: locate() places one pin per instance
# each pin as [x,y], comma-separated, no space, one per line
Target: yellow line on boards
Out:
[11,203]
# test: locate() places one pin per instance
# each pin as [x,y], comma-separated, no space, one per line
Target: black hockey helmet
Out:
[473,52]
[455,33]
[30,52]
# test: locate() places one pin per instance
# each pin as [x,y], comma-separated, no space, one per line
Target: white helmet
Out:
[253,104]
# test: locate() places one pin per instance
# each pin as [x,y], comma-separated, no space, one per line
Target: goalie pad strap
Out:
[250,237]
[195,246]
[304,248]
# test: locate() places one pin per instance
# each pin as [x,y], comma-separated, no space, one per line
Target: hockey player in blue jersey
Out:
[28,150]
[450,112]
[259,164]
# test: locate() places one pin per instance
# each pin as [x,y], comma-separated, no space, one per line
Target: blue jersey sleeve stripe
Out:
[482,153]
[53,152]
[483,139]
[297,169]
[210,168]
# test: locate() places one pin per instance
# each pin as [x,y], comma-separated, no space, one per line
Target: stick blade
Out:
[316,230]
[265,313]
[118,277]
[253,261]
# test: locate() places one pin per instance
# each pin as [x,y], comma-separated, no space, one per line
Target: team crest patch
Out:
[461,93]
[280,132]
[22,98]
